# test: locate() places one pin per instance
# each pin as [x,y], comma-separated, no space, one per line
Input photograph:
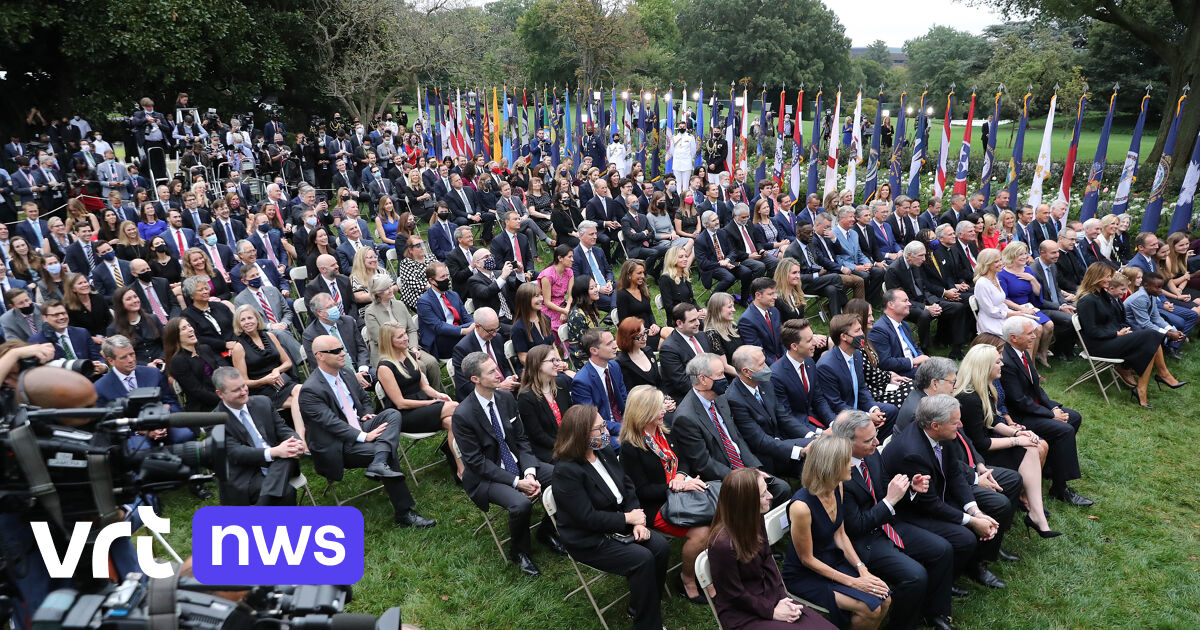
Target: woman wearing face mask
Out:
[162,263]
[234,202]
[565,218]
[50,285]
[597,501]
[138,326]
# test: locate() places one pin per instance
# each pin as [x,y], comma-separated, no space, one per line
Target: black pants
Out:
[873,283]
[955,324]
[920,575]
[998,505]
[962,540]
[828,286]
[361,454]
[1064,333]
[275,489]
[643,564]
[1062,463]
[652,256]
[520,508]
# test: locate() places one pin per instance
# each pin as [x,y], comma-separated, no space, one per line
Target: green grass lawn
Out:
[1130,561]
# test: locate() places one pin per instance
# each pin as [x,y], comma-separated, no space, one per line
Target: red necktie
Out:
[735,460]
[804,380]
[887,528]
[179,238]
[767,316]
[696,345]
[967,447]
[450,307]
[262,300]
[749,243]
[617,416]
[1025,360]
[517,251]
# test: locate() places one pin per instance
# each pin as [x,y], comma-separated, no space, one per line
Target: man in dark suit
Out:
[498,466]
[1043,228]
[605,212]
[126,375]
[759,324]
[925,300]
[110,273]
[599,381]
[229,231]
[155,293]
[777,439]
[1071,261]
[488,338]
[748,251]
[342,433]
[193,215]
[345,178]
[512,247]
[591,261]
[639,239]
[938,375]
[458,260]
[707,441]
[1057,304]
[718,260]
[492,288]
[904,227]
[1000,205]
[268,245]
[928,219]
[441,233]
[961,255]
[442,319]
[329,281]
[21,319]
[683,345]
[1029,405]
[33,229]
[793,377]
[81,256]
[868,238]
[352,241]
[956,211]
[820,275]
[248,255]
[177,235]
[893,341]
[440,186]
[918,565]
[14,149]
[262,451]
[69,342]
[841,379]
[328,320]
[468,208]
[948,508]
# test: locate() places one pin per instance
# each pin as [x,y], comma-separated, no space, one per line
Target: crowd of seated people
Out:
[568,373]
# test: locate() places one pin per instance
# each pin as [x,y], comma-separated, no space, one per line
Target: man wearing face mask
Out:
[329,320]
[779,440]
[22,320]
[841,380]
[443,321]
[247,255]
[707,441]
[155,293]
[334,284]
[110,274]
[268,244]
[441,232]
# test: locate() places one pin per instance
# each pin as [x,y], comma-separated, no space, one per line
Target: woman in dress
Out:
[1105,333]
[86,309]
[675,283]
[23,263]
[163,264]
[386,221]
[410,272]
[420,199]
[1023,292]
[530,327]
[1106,239]
[138,326]
[191,365]
[790,299]
[583,317]
[720,325]
[776,242]
[196,263]
[989,236]
[320,242]
[50,285]
[565,218]
[149,223]
[821,564]
[638,366]
[661,223]
[130,244]
[885,386]
[832,201]
[994,306]
[633,300]
[175,194]
[1121,241]
[749,590]
[687,219]
[538,202]
[265,365]
[77,212]
[1001,442]
[365,267]
[555,282]
[540,402]
[422,408]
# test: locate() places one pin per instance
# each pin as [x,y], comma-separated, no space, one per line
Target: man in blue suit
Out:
[893,341]
[521,255]
[778,440]
[841,379]
[248,255]
[927,220]
[884,236]
[759,325]
[69,342]
[178,236]
[785,219]
[32,228]
[599,381]
[793,378]
[442,319]
[267,244]
[811,209]
[127,375]
[441,233]
[1147,245]
[853,258]
[81,255]
[110,273]
[591,261]
[714,255]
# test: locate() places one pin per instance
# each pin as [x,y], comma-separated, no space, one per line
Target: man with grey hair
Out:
[750,250]
[262,450]
[708,442]
[591,261]
[247,255]
[1058,214]
[605,212]
[718,261]
[956,211]
[126,375]
[918,565]
[904,225]
[458,259]
[882,231]
[780,441]
[330,281]
[491,287]
[328,319]
[489,338]
[948,508]
[639,238]
[937,375]
[866,238]
[853,257]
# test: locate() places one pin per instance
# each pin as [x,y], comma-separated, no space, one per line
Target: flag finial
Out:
[1149,86]
[881,88]
[973,89]
[1085,88]
[952,86]
[1055,88]
[1117,86]
[1001,88]
[1186,88]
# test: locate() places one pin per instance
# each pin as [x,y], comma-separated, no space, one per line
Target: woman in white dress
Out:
[618,155]
[990,298]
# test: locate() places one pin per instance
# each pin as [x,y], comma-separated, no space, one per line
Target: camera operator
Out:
[188,131]
[235,127]
[69,342]
[150,131]
[276,152]
[194,161]
[214,153]
[309,155]
[274,126]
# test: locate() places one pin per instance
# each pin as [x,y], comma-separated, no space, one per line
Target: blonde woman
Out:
[790,299]
[721,326]
[365,267]
[675,283]
[1023,292]
[1108,233]
[1008,226]
[196,263]
[265,365]
[989,295]
[422,408]
[1003,442]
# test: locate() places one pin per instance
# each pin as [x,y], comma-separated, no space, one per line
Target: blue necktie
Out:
[853,382]
[904,336]
[506,456]
[255,438]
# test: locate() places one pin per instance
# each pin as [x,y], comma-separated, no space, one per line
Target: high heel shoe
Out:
[1133,394]
[1160,381]
[1044,533]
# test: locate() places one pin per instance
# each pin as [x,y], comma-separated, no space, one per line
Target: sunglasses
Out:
[332,351]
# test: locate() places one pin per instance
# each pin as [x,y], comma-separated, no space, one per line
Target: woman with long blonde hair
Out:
[790,299]
[422,408]
[720,325]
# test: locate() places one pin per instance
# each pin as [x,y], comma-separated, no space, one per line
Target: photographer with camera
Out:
[151,135]
[70,343]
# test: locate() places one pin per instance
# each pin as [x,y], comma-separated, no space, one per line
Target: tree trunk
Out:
[1185,70]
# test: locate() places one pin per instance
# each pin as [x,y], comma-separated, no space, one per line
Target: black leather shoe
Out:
[941,622]
[1067,495]
[552,542]
[958,591]
[381,471]
[981,574]
[526,564]
[1009,557]
[412,519]
[956,353]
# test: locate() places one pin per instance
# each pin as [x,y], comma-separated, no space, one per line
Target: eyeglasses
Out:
[334,351]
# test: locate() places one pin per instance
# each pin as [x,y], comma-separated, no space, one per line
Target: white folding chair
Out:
[469,306]
[413,438]
[585,584]
[1097,366]
[974,306]
[298,275]
[703,581]
[301,309]
[815,300]
[392,261]
[300,482]
[487,517]
[621,238]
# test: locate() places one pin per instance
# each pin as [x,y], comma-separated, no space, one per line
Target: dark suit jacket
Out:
[1072,268]
[1039,272]
[865,515]
[328,430]
[356,348]
[910,228]
[1023,396]
[205,333]
[582,268]
[436,335]
[734,237]
[189,239]
[24,229]
[926,220]
[165,297]
[268,270]
[706,254]
[909,453]
[77,260]
[697,443]
[757,331]
[481,450]
[588,389]
[454,202]
[191,223]
[239,231]
[469,344]
[790,395]
[833,378]
[483,291]
[460,268]
[636,230]
[822,256]
[898,277]
[441,240]
[109,387]
[769,433]
[587,509]
[102,277]
[890,347]
[595,211]
[243,460]
[673,355]
[321,285]
[260,246]
[540,426]
[502,250]
[81,343]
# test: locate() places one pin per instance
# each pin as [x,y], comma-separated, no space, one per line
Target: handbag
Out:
[691,508]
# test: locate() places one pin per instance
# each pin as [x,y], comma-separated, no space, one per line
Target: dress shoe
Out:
[410,518]
[1009,557]
[980,573]
[1067,495]
[551,541]
[958,591]
[380,470]
[940,622]
[526,564]
[199,491]
[1160,381]
[699,599]
[1044,533]
[1174,353]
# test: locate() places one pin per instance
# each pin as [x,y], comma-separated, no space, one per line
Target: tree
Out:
[1168,28]
[1039,58]
[872,73]
[786,42]
[579,41]
[944,56]
[879,52]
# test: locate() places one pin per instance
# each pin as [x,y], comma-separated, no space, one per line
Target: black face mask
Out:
[27,309]
[442,285]
[162,249]
[145,276]
[444,216]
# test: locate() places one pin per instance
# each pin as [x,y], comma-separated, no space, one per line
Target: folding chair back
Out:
[703,581]
[1097,366]
[585,584]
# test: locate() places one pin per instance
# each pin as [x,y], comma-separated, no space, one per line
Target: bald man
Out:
[330,280]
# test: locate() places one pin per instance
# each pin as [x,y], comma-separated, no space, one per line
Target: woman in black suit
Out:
[540,402]
[638,366]
[599,519]
[675,283]
[565,217]
[191,364]
[138,326]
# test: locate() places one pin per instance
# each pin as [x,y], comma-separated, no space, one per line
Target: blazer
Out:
[243,460]
[673,355]
[952,217]
[927,221]
[237,227]
[319,284]
[260,246]
[16,327]
[535,412]
[587,508]
[636,230]
[328,430]
[825,253]
[189,240]
[770,434]
[588,389]
[852,253]
[1051,302]
[909,231]
[81,343]
[1140,309]
[279,306]
[437,336]
[786,223]
[697,443]
[205,333]
[909,453]
[190,373]
[463,385]
[163,292]
[103,280]
[706,254]
[581,267]
[345,253]
[601,209]
[764,333]
[459,267]
[25,229]
[795,402]
[453,199]
[269,271]
[480,449]
[502,250]
[441,239]
[868,240]
[191,223]
[1023,394]
[110,386]
[77,259]
[914,284]
[351,336]
[837,386]
[890,347]
[885,237]
[734,235]
[864,515]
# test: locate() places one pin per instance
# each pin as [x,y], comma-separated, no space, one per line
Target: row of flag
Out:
[507,127]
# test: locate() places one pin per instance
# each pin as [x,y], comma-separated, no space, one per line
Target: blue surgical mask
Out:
[333,313]
[54,268]
[211,239]
[255,283]
[934,244]
[264,228]
[109,256]
[311,222]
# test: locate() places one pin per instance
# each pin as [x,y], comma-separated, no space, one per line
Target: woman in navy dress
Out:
[821,564]
[1023,292]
